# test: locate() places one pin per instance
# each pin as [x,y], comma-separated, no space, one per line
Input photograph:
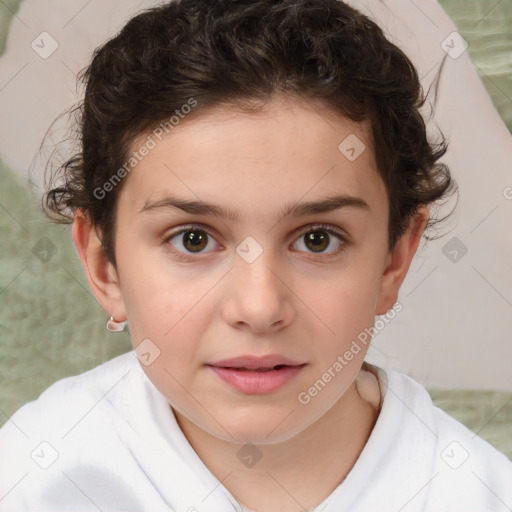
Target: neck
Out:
[301,472]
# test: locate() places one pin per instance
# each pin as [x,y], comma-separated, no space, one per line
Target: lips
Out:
[257,375]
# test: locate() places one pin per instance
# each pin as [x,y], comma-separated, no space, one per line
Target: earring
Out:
[114,326]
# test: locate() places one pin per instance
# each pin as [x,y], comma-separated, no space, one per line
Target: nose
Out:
[259,296]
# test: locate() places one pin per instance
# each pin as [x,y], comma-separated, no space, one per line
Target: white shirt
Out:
[108,440]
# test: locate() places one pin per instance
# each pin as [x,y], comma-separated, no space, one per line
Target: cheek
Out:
[345,304]
[170,307]
[341,334]
[164,321]
[161,309]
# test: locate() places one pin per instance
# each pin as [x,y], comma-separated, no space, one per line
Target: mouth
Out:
[256,375]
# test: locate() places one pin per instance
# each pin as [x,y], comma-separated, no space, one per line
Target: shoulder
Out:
[69,400]
[77,401]
[72,427]
[465,469]
[66,395]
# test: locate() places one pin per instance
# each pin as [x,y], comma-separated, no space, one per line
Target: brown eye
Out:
[319,238]
[195,241]
[317,241]
[189,241]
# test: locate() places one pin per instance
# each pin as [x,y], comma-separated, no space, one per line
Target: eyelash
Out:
[312,228]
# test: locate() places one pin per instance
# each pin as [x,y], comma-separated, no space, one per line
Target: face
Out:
[267,276]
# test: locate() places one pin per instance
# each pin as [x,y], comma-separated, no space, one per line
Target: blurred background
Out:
[454,332]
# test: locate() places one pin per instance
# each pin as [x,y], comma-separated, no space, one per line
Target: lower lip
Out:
[254,382]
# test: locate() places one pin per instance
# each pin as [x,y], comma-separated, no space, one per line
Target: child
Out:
[282,140]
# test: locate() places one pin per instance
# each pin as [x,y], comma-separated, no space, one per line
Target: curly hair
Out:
[242,52]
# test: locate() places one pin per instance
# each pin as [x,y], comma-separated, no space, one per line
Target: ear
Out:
[399,260]
[101,274]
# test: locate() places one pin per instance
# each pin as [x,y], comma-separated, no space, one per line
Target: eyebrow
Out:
[294,209]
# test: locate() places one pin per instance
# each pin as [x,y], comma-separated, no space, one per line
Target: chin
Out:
[259,429]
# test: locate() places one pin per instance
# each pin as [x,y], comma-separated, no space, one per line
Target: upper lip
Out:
[254,362]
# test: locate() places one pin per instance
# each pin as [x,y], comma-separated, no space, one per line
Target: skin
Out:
[290,300]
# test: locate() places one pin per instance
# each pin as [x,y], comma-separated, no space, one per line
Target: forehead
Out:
[289,150]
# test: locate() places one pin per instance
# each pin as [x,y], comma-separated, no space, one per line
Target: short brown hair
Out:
[242,52]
